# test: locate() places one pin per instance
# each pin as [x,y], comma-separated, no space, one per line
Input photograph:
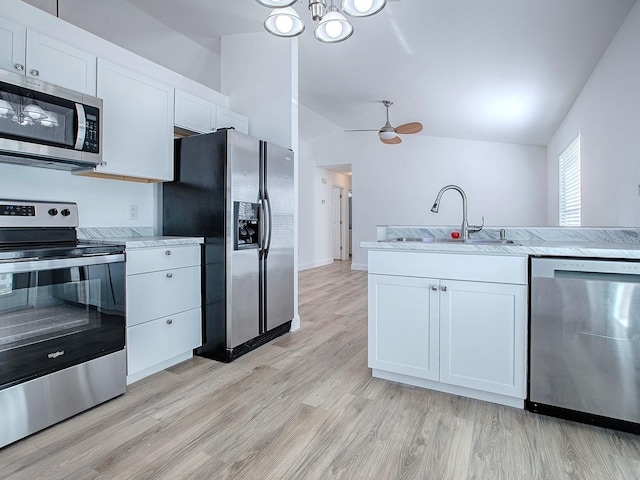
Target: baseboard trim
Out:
[319,263]
[359,266]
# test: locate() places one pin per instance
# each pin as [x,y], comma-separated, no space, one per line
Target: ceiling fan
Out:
[388,133]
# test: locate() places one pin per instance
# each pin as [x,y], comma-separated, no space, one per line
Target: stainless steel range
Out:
[62,318]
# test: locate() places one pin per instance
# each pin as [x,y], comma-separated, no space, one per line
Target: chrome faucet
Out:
[466,228]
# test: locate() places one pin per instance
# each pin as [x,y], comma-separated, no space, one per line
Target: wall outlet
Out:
[133,212]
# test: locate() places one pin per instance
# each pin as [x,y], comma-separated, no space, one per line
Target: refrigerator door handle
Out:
[270,229]
[262,231]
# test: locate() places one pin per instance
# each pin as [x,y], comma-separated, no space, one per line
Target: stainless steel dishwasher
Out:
[584,341]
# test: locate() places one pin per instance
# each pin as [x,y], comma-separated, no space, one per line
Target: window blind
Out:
[570,197]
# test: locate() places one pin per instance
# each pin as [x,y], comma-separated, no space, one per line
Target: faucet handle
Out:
[476,228]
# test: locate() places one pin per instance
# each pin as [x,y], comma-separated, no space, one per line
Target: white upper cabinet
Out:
[37,56]
[137,125]
[194,113]
[228,119]
[55,62]
[12,46]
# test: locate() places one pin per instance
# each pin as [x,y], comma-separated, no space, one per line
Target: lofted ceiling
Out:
[495,70]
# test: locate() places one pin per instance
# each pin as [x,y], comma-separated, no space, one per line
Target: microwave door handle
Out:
[82,126]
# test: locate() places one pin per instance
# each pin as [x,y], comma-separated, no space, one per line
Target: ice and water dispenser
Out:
[246,219]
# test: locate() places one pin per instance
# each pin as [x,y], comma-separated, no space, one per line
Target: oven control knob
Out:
[66,212]
[53,212]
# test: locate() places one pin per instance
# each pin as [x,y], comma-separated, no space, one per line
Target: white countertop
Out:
[533,247]
[594,242]
[147,241]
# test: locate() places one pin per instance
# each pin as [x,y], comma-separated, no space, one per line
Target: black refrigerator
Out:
[236,192]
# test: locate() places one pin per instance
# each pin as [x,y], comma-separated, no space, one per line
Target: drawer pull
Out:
[169,275]
[168,252]
[443,288]
[434,288]
[169,321]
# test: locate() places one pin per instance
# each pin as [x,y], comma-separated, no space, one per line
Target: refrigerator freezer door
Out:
[243,285]
[277,265]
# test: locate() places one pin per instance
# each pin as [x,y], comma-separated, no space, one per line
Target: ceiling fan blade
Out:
[413,127]
[391,141]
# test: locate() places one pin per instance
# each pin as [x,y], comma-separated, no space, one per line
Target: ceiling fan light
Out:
[276,3]
[333,27]
[387,134]
[284,22]
[362,8]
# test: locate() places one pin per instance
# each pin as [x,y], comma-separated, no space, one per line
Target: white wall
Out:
[396,184]
[260,75]
[315,219]
[123,24]
[101,203]
[607,115]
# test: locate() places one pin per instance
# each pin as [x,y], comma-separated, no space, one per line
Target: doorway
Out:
[340,224]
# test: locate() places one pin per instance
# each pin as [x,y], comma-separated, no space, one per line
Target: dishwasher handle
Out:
[546,267]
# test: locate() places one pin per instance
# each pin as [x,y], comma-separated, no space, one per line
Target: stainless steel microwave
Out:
[44,125]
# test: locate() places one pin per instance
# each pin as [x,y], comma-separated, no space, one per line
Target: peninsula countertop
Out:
[615,243]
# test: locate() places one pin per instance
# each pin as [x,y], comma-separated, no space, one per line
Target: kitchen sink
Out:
[472,241]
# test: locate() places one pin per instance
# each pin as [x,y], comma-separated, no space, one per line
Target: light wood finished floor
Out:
[305,407]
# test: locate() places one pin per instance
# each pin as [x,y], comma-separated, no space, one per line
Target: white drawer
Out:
[154,342]
[478,267]
[154,259]
[158,294]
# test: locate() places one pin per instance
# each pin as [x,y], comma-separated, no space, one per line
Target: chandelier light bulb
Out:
[362,5]
[334,29]
[276,3]
[284,24]
[362,8]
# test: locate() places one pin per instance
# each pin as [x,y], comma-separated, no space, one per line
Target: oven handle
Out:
[58,263]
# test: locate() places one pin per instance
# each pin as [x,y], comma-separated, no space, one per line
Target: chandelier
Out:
[333,26]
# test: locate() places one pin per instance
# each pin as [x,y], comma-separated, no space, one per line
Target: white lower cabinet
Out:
[482,336]
[152,343]
[458,336]
[403,326]
[164,323]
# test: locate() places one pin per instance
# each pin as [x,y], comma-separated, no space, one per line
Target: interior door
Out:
[336,223]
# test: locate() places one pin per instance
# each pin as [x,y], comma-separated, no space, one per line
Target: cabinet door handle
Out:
[35,72]
[19,66]
[169,321]
[443,288]
[169,275]
[434,288]
[168,252]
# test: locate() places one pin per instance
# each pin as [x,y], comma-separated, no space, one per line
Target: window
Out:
[570,198]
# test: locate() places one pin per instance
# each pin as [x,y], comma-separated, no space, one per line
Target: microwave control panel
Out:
[92,137]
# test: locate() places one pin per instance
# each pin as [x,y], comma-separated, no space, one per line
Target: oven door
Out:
[58,313]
